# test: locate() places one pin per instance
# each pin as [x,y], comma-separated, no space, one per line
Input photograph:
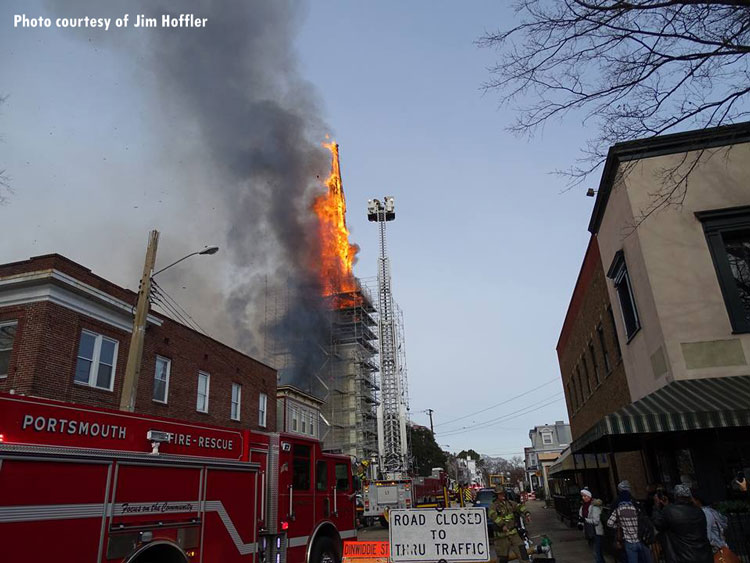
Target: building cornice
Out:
[62,289]
[687,141]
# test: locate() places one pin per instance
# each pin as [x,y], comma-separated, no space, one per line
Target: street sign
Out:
[428,534]
[366,549]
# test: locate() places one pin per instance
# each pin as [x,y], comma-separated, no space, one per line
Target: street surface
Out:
[568,544]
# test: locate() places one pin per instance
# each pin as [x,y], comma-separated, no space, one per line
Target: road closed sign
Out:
[428,534]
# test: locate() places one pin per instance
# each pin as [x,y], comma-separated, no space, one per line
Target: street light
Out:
[135,352]
[208,251]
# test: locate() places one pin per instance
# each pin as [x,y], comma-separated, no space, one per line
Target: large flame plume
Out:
[337,254]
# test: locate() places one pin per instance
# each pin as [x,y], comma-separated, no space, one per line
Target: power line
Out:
[515,414]
[509,416]
[503,416]
[501,403]
[171,303]
[171,310]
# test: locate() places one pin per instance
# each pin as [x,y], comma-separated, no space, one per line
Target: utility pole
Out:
[135,352]
[429,413]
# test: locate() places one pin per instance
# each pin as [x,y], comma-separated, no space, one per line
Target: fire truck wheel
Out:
[324,551]
[383,521]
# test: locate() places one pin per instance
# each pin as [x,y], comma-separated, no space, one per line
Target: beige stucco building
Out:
[672,226]
[684,328]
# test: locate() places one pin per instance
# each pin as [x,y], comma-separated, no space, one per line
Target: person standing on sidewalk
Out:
[590,515]
[685,528]
[624,518]
[503,513]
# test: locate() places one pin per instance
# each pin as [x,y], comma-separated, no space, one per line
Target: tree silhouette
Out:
[425,451]
[635,68]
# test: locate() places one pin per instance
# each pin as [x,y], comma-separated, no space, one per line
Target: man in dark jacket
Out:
[684,527]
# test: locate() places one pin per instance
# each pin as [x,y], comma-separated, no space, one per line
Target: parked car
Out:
[484,498]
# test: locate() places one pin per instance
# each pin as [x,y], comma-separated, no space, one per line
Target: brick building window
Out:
[618,272]
[294,419]
[571,395]
[728,236]
[161,379]
[236,400]
[262,409]
[586,375]
[95,365]
[614,331]
[204,382]
[594,364]
[7,336]
[580,388]
[603,346]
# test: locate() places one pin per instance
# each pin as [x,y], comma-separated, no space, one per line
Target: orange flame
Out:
[337,255]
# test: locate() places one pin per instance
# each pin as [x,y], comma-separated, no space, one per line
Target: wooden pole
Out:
[135,352]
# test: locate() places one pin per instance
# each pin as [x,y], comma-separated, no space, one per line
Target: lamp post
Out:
[206,251]
[135,351]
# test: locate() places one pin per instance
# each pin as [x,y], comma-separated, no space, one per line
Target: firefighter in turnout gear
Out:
[507,538]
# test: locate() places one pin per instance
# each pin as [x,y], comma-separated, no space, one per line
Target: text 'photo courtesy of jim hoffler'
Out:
[139,21]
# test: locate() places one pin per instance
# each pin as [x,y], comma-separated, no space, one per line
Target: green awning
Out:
[691,404]
[569,463]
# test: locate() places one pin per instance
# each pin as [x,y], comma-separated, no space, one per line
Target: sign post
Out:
[430,535]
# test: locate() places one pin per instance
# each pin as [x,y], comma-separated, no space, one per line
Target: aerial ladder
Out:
[393,488]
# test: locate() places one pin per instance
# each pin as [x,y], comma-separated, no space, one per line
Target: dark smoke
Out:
[236,84]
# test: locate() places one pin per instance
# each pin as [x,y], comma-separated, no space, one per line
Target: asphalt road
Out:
[373,533]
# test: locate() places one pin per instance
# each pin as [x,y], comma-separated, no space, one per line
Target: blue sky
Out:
[487,243]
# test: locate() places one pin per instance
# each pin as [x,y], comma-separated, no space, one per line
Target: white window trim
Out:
[262,410]
[95,361]
[9,323]
[198,390]
[239,402]
[166,383]
[547,435]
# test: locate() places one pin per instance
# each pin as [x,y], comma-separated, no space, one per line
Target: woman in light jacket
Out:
[590,515]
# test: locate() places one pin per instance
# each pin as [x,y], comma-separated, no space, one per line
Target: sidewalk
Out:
[568,544]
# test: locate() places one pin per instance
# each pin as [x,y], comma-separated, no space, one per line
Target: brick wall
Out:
[589,309]
[43,360]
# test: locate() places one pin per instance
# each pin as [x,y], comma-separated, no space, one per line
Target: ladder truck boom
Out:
[395,488]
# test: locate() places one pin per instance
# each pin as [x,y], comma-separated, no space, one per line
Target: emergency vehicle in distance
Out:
[383,495]
[84,484]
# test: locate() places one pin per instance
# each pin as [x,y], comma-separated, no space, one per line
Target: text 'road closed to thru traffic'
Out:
[427,534]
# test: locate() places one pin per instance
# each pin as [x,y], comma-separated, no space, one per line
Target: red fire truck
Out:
[81,484]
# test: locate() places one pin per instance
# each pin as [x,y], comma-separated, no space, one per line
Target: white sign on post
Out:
[428,534]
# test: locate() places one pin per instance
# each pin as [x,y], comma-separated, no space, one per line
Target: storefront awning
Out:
[692,404]
[568,463]
[564,463]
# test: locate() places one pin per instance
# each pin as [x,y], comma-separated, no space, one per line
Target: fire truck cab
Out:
[87,484]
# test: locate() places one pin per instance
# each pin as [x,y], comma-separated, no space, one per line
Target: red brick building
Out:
[65,334]
[593,376]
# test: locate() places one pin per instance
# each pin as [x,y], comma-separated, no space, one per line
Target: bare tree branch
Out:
[5,190]
[637,69]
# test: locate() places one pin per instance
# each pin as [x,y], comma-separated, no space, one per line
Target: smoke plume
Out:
[233,92]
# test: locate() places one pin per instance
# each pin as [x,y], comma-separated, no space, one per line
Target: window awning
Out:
[569,463]
[564,463]
[691,404]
